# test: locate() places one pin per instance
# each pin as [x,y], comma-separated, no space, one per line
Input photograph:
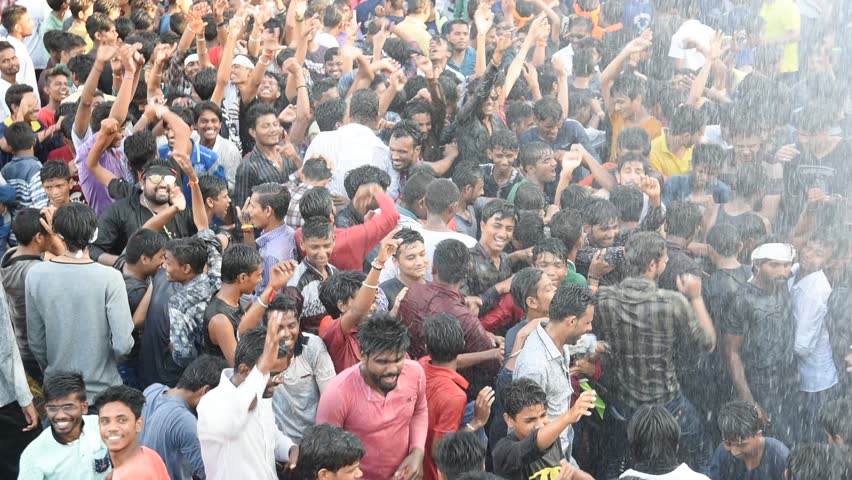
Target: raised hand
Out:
[689,285]
[281,273]
[397,80]
[425,66]
[482,407]
[388,246]
[195,23]
[185,164]
[583,406]
[177,199]
[483,18]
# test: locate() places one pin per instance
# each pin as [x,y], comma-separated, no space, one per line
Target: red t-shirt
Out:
[47,117]
[445,395]
[146,465]
[343,349]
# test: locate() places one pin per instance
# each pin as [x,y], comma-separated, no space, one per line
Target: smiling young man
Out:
[267,209]
[120,421]
[412,261]
[72,446]
[491,275]
[393,429]
[208,124]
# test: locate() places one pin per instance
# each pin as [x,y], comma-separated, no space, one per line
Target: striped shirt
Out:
[256,170]
[24,173]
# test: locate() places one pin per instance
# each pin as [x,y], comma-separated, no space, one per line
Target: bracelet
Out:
[301,86]
[265,64]
[192,183]
[375,264]
[200,40]
[160,110]
[469,427]
[260,302]
[592,277]
[272,295]
[365,284]
[127,76]
[247,227]
[254,39]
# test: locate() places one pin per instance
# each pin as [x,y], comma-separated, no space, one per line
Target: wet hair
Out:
[19,136]
[466,175]
[577,101]
[316,169]
[574,197]
[275,196]
[503,139]
[751,227]
[316,202]
[553,246]
[529,197]
[76,224]
[189,251]
[682,219]
[630,86]
[652,435]
[417,107]
[709,155]
[815,117]
[738,420]
[211,186]
[330,113]
[548,108]
[204,371]
[520,394]
[327,447]
[835,419]
[524,286]
[444,337]
[532,153]
[515,112]
[600,211]
[724,239]
[459,452]
[59,384]
[817,462]
[140,148]
[751,179]
[441,194]
[250,347]
[144,243]
[570,300]
[686,120]
[339,287]
[451,261]
[317,227]
[256,111]
[237,259]
[500,208]
[364,106]
[643,248]
[408,236]
[26,225]
[529,229]
[628,200]
[380,333]
[415,188]
[129,396]
[364,175]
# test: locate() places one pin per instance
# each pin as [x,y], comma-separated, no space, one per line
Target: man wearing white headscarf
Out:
[759,336]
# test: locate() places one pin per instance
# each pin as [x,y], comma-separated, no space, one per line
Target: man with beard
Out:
[491,276]
[643,324]
[405,143]
[393,429]
[236,425]
[9,68]
[72,446]
[759,338]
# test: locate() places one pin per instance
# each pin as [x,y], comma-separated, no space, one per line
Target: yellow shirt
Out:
[80,30]
[651,125]
[666,162]
[416,30]
[782,16]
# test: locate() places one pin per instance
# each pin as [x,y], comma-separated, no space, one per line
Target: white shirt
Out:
[430,241]
[683,472]
[38,10]
[237,442]
[4,110]
[327,40]
[229,156]
[26,74]
[349,147]
[817,371]
[566,56]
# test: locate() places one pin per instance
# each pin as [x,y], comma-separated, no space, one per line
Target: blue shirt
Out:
[468,65]
[204,162]
[725,466]
[170,430]
[275,246]
[679,188]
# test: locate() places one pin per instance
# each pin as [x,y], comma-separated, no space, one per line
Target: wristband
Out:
[192,183]
[375,264]
[592,277]
[272,295]
[246,227]
[260,302]
[365,284]
[160,110]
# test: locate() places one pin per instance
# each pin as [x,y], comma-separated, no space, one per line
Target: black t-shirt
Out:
[516,459]
[215,307]
[157,363]
[392,288]
[135,292]
[679,263]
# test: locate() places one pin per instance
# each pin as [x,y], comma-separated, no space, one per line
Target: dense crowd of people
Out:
[387,239]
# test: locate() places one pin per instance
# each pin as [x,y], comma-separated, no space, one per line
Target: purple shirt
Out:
[112,159]
[275,246]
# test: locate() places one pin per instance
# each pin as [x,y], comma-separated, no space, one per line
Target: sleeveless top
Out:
[724,217]
[215,307]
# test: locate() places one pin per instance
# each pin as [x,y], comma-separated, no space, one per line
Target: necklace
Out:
[144,203]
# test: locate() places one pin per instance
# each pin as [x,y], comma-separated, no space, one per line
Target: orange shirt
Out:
[146,465]
[650,125]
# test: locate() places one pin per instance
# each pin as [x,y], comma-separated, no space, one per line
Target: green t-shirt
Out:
[574,277]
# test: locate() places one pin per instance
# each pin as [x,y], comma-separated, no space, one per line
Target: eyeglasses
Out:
[157,179]
[67,408]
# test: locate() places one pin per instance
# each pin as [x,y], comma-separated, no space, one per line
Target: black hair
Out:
[575,197]
[316,202]
[835,419]
[816,462]
[416,107]
[332,16]
[451,261]
[250,347]
[140,148]
[316,169]
[524,286]
[317,227]
[532,153]
[630,86]
[189,251]
[571,300]
[237,259]
[628,200]
[751,227]
[415,188]
[67,42]
[59,384]
[553,246]
[599,211]
[520,394]
[80,65]
[327,447]
[55,72]
[98,23]
[26,225]
[275,196]
[123,27]
[408,236]
[441,194]
[500,208]
[643,248]
[409,129]
[106,6]
[548,108]
[339,287]
[751,180]
[19,136]
[16,93]
[211,186]
[55,5]
[477,475]
[724,239]
[204,371]
[583,64]
[204,83]
[682,219]
[144,243]
[711,155]
[323,85]
[444,337]
[330,113]
[142,20]
[363,175]
[459,452]
[652,435]
[129,396]
[100,113]
[515,112]
[76,224]
[256,111]
[529,196]
[529,229]
[364,106]
[686,120]
[577,101]
[380,333]
[739,420]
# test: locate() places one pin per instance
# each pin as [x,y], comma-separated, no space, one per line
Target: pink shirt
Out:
[381,422]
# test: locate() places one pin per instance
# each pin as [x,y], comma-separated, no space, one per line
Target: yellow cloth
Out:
[650,125]
[415,30]
[666,162]
[782,16]
[80,30]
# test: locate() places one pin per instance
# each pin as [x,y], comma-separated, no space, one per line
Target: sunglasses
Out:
[157,179]
[495,97]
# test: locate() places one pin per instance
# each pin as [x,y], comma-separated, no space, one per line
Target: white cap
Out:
[780,252]
[190,58]
[243,61]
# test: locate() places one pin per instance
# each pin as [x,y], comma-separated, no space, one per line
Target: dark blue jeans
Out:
[693,448]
